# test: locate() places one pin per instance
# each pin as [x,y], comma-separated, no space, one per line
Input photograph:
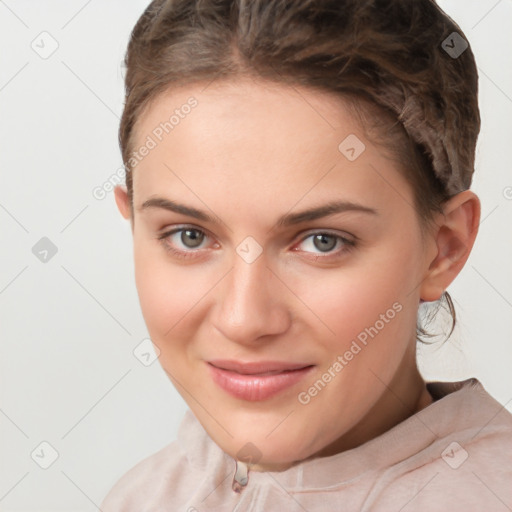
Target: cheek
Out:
[372,291]
[167,293]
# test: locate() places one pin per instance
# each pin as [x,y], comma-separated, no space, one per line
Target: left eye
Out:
[324,242]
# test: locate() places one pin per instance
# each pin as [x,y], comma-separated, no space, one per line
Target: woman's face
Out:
[287,327]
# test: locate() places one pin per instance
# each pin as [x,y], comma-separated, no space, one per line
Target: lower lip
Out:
[256,387]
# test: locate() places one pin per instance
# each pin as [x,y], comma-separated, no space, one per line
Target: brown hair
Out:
[404,59]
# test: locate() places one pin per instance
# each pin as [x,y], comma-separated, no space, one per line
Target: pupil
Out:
[325,242]
[193,236]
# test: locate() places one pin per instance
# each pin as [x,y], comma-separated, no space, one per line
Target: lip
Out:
[255,381]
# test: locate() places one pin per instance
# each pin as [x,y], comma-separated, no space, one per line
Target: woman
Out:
[297,184]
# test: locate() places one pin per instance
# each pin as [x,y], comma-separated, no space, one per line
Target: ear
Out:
[123,202]
[454,236]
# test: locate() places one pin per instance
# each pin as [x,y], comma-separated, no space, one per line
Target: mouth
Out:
[256,381]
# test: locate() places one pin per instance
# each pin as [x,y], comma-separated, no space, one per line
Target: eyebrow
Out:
[285,220]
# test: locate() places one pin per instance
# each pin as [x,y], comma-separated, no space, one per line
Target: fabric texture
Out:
[453,455]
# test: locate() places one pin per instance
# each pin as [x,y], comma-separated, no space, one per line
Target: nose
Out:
[252,303]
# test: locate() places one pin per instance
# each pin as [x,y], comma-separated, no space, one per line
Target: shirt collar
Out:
[453,410]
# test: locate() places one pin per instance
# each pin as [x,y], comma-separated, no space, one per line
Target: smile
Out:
[256,381]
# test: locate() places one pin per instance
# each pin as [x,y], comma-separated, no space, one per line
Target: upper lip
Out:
[256,367]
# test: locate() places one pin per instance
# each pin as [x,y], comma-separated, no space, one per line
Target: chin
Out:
[277,447]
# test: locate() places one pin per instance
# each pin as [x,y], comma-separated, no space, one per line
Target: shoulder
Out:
[467,468]
[467,476]
[169,476]
[144,483]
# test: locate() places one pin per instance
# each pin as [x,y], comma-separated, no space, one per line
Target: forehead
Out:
[238,108]
[248,138]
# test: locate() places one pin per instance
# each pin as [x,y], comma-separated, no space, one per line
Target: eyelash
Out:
[348,245]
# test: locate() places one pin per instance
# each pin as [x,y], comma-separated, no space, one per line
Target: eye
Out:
[183,242]
[191,238]
[187,242]
[325,243]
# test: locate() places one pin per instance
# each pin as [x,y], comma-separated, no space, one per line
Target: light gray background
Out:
[69,326]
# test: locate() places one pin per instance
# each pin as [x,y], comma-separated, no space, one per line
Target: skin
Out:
[250,152]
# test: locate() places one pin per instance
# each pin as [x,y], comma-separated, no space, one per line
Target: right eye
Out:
[183,242]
